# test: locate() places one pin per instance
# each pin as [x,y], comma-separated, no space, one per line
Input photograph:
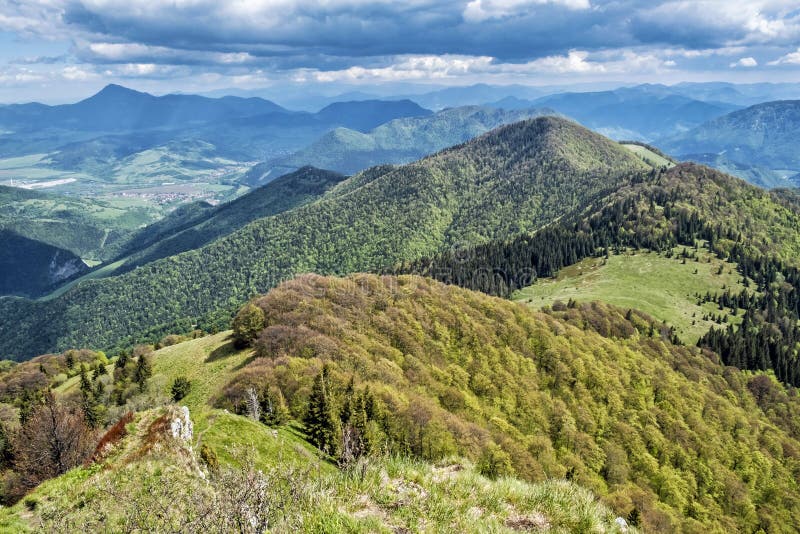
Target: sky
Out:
[61,50]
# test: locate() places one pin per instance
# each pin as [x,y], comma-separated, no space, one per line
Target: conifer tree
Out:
[274,410]
[322,425]
[143,371]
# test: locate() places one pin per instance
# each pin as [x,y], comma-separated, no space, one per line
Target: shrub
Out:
[247,324]
[180,388]
[494,462]
[209,457]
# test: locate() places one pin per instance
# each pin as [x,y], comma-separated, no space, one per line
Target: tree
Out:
[144,370]
[6,453]
[322,425]
[274,410]
[247,324]
[180,388]
[494,462]
[52,441]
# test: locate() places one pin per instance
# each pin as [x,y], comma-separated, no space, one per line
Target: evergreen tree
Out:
[322,425]
[274,411]
[180,388]
[144,370]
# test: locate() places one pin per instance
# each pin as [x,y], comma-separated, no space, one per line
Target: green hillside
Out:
[89,228]
[459,384]
[398,141]
[543,167]
[282,194]
[649,154]
[758,142]
[663,285]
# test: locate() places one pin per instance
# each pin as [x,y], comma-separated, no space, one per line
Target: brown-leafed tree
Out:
[54,439]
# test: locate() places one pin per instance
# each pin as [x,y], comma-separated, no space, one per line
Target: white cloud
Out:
[575,62]
[792,58]
[75,73]
[481,10]
[407,68]
[748,62]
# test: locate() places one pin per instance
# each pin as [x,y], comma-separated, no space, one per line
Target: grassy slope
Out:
[649,156]
[663,287]
[451,496]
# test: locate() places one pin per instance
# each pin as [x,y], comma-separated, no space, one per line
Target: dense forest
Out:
[589,392]
[512,180]
[665,211]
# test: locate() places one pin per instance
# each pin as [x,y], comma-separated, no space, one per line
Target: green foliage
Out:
[494,462]
[143,371]
[209,457]
[191,228]
[158,491]
[248,323]
[180,388]
[542,168]
[274,410]
[591,392]
[322,427]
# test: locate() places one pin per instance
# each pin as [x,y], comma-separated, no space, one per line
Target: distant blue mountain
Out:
[364,115]
[644,112]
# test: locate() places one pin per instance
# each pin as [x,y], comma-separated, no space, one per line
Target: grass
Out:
[663,287]
[650,157]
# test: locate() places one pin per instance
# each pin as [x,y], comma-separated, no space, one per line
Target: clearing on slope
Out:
[661,284]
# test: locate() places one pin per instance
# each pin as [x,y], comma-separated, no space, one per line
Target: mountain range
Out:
[757,143]
[399,386]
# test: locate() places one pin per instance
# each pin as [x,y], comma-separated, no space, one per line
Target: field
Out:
[648,155]
[663,287]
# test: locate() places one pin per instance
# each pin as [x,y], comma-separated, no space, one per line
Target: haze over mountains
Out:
[758,143]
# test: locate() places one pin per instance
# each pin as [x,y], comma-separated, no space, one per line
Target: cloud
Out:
[360,41]
[481,10]
[792,58]
[748,62]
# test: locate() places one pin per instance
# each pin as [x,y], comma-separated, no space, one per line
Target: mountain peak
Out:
[554,139]
[114,91]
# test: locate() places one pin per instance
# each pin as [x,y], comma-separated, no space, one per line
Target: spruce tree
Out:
[322,425]
[274,411]
[143,371]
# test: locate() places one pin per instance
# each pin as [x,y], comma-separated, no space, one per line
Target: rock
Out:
[622,524]
[181,425]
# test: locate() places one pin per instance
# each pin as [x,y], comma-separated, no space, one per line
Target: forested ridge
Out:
[590,392]
[512,180]
[682,206]
[194,230]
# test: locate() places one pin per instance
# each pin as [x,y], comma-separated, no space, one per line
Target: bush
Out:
[494,462]
[209,457]
[180,388]
[247,324]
